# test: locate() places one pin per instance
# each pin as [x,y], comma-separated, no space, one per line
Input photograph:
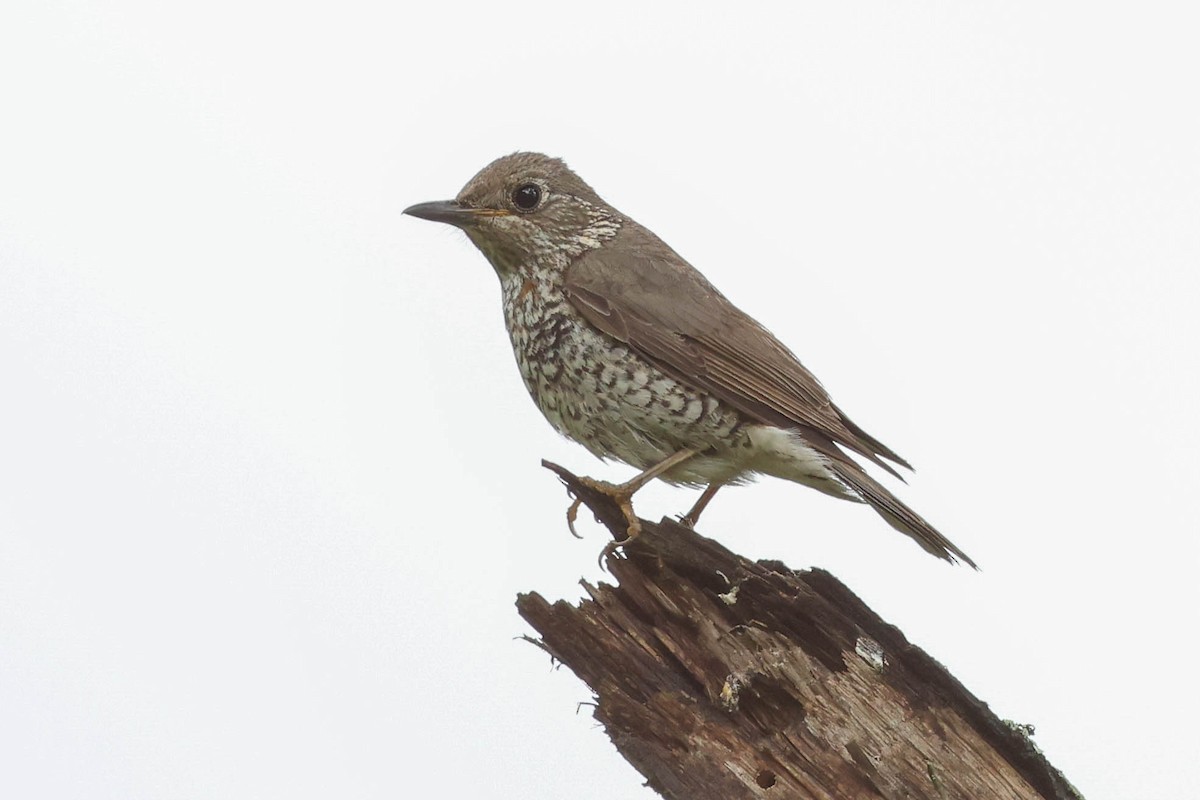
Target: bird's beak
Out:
[452,212]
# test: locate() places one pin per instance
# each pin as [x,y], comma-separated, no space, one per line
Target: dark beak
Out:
[450,212]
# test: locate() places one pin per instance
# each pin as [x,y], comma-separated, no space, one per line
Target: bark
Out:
[716,677]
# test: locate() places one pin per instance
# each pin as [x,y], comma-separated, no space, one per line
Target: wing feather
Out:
[671,315]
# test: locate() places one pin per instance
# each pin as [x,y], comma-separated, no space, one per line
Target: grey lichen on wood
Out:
[717,677]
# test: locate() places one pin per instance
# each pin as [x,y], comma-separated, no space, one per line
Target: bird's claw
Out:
[622,495]
[607,551]
[632,532]
[572,515]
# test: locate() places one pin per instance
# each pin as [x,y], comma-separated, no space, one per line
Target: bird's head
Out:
[525,208]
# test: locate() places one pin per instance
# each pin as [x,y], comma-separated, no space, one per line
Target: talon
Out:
[606,551]
[572,515]
[632,532]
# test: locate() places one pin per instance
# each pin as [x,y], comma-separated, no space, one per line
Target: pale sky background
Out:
[269,480]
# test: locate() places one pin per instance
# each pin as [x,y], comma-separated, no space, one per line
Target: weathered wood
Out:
[721,678]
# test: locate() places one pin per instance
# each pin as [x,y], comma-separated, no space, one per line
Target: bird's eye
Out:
[527,196]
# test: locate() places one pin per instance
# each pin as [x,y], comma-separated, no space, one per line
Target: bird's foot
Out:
[622,495]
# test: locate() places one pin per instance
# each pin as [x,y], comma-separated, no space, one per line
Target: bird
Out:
[630,351]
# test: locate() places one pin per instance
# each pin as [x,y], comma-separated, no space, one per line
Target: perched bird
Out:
[631,352]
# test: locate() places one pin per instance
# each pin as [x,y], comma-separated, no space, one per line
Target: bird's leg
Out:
[622,495]
[692,517]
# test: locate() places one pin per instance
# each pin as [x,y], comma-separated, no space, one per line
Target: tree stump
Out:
[716,677]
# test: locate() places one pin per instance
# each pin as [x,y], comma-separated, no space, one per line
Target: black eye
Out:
[527,196]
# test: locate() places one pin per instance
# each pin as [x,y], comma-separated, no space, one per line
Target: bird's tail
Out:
[898,515]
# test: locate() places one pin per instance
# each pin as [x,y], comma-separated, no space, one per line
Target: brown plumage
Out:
[629,350]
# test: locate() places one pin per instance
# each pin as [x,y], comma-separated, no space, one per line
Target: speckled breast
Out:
[596,391]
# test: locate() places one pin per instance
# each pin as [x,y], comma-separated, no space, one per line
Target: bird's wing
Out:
[658,304]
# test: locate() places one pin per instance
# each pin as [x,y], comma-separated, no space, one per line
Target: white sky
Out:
[269,481]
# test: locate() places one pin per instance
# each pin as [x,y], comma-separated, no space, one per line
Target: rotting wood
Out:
[717,677]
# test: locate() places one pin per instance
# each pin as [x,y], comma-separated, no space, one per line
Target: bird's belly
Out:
[597,392]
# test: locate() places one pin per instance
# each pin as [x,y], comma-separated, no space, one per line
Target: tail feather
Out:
[874,445]
[898,515]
